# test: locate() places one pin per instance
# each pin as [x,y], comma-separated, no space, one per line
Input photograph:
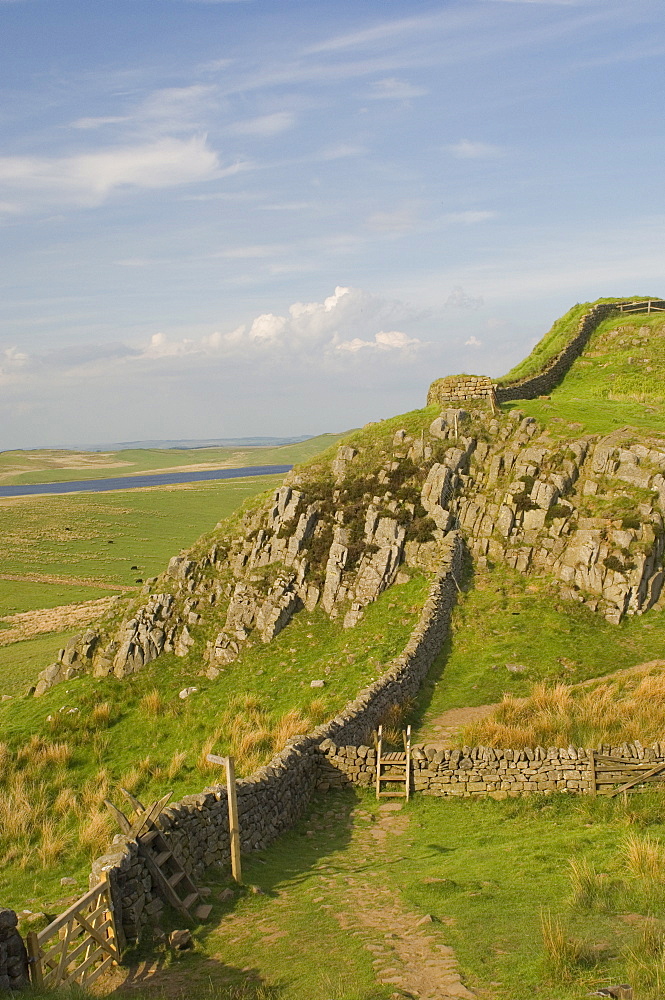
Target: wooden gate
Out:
[615,775]
[78,946]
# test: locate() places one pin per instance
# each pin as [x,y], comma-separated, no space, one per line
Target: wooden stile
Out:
[399,764]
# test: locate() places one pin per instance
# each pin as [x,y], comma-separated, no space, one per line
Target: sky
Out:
[224,218]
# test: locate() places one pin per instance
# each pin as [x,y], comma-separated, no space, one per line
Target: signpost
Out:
[234,825]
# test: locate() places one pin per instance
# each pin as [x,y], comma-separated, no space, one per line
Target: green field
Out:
[100,537]
[52,466]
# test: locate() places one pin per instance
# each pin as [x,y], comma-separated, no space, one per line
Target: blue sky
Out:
[265,217]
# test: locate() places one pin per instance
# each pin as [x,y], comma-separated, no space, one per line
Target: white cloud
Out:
[465,149]
[458,299]
[473,342]
[340,152]
[90,123]
[90,178]
[469,218]
[394,340]
[265,125]
[394,90]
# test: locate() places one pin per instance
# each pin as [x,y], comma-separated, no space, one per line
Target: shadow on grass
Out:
[466,582]
[282,872]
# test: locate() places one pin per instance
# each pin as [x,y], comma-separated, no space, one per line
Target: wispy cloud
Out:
[469,218]
[88,179]
[393,89]
[265,125]
[458,299]
[465,149]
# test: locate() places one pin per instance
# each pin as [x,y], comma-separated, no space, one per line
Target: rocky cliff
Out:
[586,512]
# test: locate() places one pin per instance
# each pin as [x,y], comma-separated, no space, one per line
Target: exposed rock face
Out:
[337,536]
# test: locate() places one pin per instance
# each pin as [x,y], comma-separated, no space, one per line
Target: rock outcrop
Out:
[587,512]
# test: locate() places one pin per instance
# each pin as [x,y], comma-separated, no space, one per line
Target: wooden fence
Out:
[612,776]
[78,946]
[647,306]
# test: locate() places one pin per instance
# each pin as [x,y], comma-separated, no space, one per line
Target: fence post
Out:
[234,824]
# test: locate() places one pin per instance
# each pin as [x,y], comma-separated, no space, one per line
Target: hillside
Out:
[270,623]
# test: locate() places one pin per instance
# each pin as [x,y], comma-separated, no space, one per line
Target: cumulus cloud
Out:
[473,342]
[393,340]
[392,89]
[349,323]
[458,299]
[12,360]
[88,179]
[465,149]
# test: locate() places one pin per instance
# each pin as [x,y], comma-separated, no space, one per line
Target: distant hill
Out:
[241,442]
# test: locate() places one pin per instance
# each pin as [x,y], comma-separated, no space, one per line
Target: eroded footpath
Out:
[321,919]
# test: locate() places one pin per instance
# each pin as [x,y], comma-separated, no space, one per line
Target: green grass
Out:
[20,662]
[506,619]
[51,466]
[554,341]
[485,871]
[618,381]
[100,537]
[490,869]
[24,595]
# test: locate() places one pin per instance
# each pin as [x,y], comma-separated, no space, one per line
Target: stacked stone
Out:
[553,373]
[13,956]
[497,773]
[460,388]
[274,797]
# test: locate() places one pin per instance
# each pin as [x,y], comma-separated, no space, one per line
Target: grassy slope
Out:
[136,746]
[507,619]
[45,466]
[554,341]
[618,381]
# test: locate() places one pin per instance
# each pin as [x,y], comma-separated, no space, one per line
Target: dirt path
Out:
[295,924]
[443,728]
[410,949]
[67,581]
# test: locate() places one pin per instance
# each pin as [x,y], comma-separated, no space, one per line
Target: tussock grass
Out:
[153,703]
[590,889]
[564,954]
[562,715]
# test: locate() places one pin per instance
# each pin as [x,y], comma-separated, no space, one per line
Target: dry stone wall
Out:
[482,770]
[543,383]
[272,799]
[459,389]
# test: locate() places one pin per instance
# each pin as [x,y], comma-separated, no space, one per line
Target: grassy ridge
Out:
[556,339]
[49,466]
[618,380]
